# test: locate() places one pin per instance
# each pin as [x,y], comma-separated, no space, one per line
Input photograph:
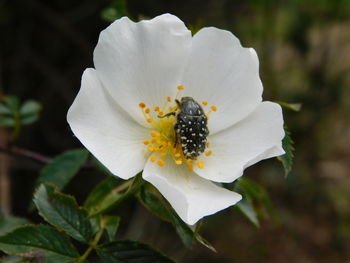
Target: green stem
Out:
[92,245]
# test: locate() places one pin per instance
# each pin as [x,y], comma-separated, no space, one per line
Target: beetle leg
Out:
[173,113]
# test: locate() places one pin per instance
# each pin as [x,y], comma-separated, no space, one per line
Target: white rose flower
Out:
[140,70]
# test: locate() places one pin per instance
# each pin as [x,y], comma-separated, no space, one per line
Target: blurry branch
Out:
[26,153]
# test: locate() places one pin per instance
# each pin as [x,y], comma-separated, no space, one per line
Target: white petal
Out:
[105,130]
[225,74]
[142,62]
[257,137]
[191,196]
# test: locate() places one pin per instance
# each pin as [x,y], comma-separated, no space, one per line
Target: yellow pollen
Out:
[177,155]
[161,113]
[153,140]
[153,158]
[155,134]
[149,120]
[142,105]
[168,99]
[156,108]
[200,164]
[190,167]
[188,160]
[160,163]
[204,102]
[178,162]
[150,148]
[180,87]
[208,153]
[145,142]
[147,110]
[214,108]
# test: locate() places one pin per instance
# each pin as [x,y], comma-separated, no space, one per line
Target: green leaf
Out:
[130,252]
[290,106]
[111,224]
[33,239]
[100,166]
[16,259]
[245,206]
[29,119]
[30,107]
[107,195]
[7,122]
[256,193]
[288,147]
[12,103]
[156,204]
[62,211]
[8,223]
[4,110]
[101,191]
[63,168]
[115,11]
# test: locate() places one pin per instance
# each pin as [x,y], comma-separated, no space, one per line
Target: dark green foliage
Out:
[130,252]
[287,158]
[62,211]
[8,223]
[114,11]
[155,203]
[40,241]
[63,168]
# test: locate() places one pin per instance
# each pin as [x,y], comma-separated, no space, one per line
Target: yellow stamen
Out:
[190,167]
[214,108]
[178,162]
[153,140]
[208,153]
[150,148]
[204,102]
[153,158]
[180,87]
[168,99]
[142,105]
[156,108]
[155,134]
[149,120]
[177,155]
[161,113]
[160,163]
[147,110]
[145,142]
[200,164]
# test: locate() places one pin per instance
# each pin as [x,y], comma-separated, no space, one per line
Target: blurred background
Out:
[304,51]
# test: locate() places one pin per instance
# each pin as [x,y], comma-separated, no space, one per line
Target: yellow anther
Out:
[149,120]
[204,102]
[155,134]
[162,155]
[178,162]
[153,140]
[200,164]
[214,108]
[161,113]
[156,108]
[177,155]
[168,99]
[150,148]
[160,162]
[190,167]
[153,158]
[180,87]
[145,142]
[208,153]
[188,160]
[142,105]
[170,143]
[147,110]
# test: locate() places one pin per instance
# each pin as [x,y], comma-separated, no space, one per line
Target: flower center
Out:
[179,130]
